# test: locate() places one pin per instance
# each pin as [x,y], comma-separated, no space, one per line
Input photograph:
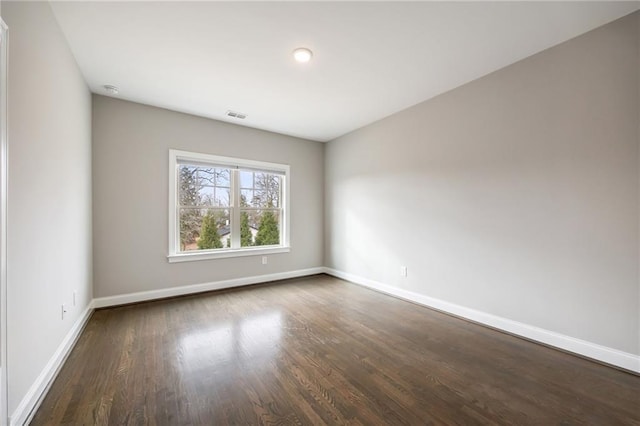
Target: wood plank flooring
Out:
[318,351]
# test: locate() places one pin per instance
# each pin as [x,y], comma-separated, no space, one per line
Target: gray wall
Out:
[131,145]
[49,204]
[516,194]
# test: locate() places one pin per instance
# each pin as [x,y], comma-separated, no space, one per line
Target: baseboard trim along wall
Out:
[29,404]
[31,401]
[581,347]
[123,299]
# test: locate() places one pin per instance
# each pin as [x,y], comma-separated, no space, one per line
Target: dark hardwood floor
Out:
[321,351]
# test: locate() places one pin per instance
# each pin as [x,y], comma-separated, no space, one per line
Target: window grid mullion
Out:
[176,206]
[235,210]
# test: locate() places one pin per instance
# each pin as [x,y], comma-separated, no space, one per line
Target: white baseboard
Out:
[29,404]
[581,347]
[123,299]
[32,399]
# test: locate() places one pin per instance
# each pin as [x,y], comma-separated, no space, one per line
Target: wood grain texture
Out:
[318,350]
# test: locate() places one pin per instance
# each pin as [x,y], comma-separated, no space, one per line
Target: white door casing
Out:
[3,222]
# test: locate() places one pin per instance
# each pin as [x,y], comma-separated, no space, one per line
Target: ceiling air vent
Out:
[238,115]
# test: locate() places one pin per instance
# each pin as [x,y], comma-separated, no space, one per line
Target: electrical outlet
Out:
[64,311]
[403,271]
[264,260]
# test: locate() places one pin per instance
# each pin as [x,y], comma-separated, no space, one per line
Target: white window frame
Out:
[177,156]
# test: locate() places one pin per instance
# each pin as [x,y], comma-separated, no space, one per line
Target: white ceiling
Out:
[371,59]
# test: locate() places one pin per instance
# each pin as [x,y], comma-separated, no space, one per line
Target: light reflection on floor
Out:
[254,341]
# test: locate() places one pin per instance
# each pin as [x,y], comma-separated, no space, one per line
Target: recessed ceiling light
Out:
[302,54]
[112,90]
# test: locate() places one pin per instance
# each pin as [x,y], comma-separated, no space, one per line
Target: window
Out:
[226,207]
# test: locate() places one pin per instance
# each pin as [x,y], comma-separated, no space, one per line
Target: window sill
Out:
[190,257]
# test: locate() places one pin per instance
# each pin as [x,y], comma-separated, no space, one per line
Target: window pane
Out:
[206,194]
[248,228]
[187,187]
[259,227]
[223,178]
[246,198]
[266,189]
[203,186]
[222,197]
[206,176]
[246,179]
[204,229]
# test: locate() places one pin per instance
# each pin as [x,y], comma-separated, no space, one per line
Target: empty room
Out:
[309,213]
